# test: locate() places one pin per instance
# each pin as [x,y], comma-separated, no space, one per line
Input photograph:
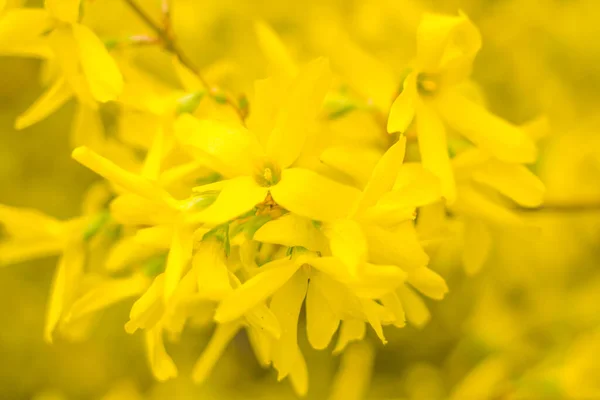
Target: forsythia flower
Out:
[87,71]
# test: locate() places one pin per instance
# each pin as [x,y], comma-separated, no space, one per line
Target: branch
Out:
[165,35]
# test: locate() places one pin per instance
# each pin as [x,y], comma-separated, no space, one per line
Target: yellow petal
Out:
[356,162]
[447,42]
[392,303]
[310,195]
[255,290]
[64,10]
[50,101]
[428,282]
[16,251]
[321,320]
[238,196]
[229,149]
[286,305]
[261,317]
[375,281]
[25,223]
[512,180]
[414,187]
[403,108]
[163,367]
[472,202]
[384,246]
[348,243]
[477,246]
[416,310]
[383,176]
[274,50]
[107,294]
[372,312]
[149,308]
[433,147]
[21,31]
[261,344]
[370,77]
[153,161]
[487,131]
[217,344]
[101,71]
[292,230]
[352,330]
[131,209]
[120,177]
[66,51]
[297,113]
[299,375]
[211,271]
[64,285]
[178,259]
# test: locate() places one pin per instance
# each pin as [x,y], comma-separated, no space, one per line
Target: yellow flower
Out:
[260,161]
[446,47]
[88,72]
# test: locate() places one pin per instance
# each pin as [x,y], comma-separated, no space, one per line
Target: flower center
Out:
[427,84]
[267,174]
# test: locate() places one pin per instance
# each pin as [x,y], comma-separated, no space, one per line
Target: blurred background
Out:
[526,327]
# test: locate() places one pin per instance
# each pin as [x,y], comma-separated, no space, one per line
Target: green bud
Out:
[189,103]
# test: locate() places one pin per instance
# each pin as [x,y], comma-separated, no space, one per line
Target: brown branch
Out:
[167,39]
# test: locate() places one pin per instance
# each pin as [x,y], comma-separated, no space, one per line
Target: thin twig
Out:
[165,35]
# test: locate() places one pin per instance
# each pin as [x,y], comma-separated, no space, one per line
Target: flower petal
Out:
[50,101]
[487,131]
[238,196]
[416,310]
[292,230]
[375,281]
[64,10]
[433,147]
[512,180]
[227,148]
[310,195]
[163,367]
[211,271]
[299,109]
[348,243]
[255,290]
[356,162]
[64,284]
[321,320]
[352,330]
[274,50]
[414,187]
[120,177]
[428,282]
[148,309]
[403,108]
[106,294]
[178,258]
[101,71]
[286,305]
[383,176]
[400,247]
[447,43]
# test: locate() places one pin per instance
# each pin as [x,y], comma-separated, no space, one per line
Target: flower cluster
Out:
[326,189]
